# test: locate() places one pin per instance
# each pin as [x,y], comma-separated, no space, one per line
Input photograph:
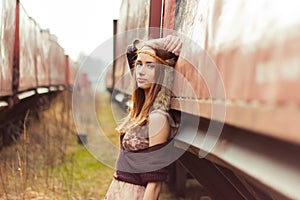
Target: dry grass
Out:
[28,165]
[48,163]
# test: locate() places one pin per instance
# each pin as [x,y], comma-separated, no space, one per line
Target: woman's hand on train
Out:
[173,44]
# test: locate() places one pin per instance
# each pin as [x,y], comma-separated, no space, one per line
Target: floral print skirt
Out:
[120,190]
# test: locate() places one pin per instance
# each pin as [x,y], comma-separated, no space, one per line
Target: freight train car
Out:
[7,34]
[33,67]
[254,46]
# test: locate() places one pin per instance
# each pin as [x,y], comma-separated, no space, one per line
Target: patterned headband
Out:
[154,56]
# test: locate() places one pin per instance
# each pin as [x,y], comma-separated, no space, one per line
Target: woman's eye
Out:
[150,65]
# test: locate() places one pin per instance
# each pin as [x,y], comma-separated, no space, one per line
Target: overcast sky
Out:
[80,25]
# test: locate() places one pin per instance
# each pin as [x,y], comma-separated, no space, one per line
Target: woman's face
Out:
[145,69]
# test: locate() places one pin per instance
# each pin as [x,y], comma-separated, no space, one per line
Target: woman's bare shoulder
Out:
[158,128]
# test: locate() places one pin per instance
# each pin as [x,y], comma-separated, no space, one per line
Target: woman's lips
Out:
[141,80]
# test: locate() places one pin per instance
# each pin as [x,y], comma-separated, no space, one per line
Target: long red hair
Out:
[138,113]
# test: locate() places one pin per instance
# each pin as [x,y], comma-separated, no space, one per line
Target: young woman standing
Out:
[149,125]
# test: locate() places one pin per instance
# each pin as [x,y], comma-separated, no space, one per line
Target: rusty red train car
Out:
[32,65]
[7,40]
[57,63]
[253,48]
[31,58]
[42,59]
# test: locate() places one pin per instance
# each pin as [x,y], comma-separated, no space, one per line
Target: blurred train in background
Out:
[255,46]
[33,68]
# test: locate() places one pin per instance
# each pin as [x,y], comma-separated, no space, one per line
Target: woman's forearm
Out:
[152,191]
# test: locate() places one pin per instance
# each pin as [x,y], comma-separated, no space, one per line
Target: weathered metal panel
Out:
[138,14]
[41,56]
[44,51]
[155,18]
[67,70]
[256,55]
[169,14]
[190,21]
[255,61]
[57,63]
[155,13]
[7,40]
[261,54]
[71,70]
[121,83]
[109,79]
[134,16]
[27,69]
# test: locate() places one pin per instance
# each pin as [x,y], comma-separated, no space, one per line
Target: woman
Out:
[149,126]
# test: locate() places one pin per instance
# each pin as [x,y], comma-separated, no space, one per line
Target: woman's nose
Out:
[141,69]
